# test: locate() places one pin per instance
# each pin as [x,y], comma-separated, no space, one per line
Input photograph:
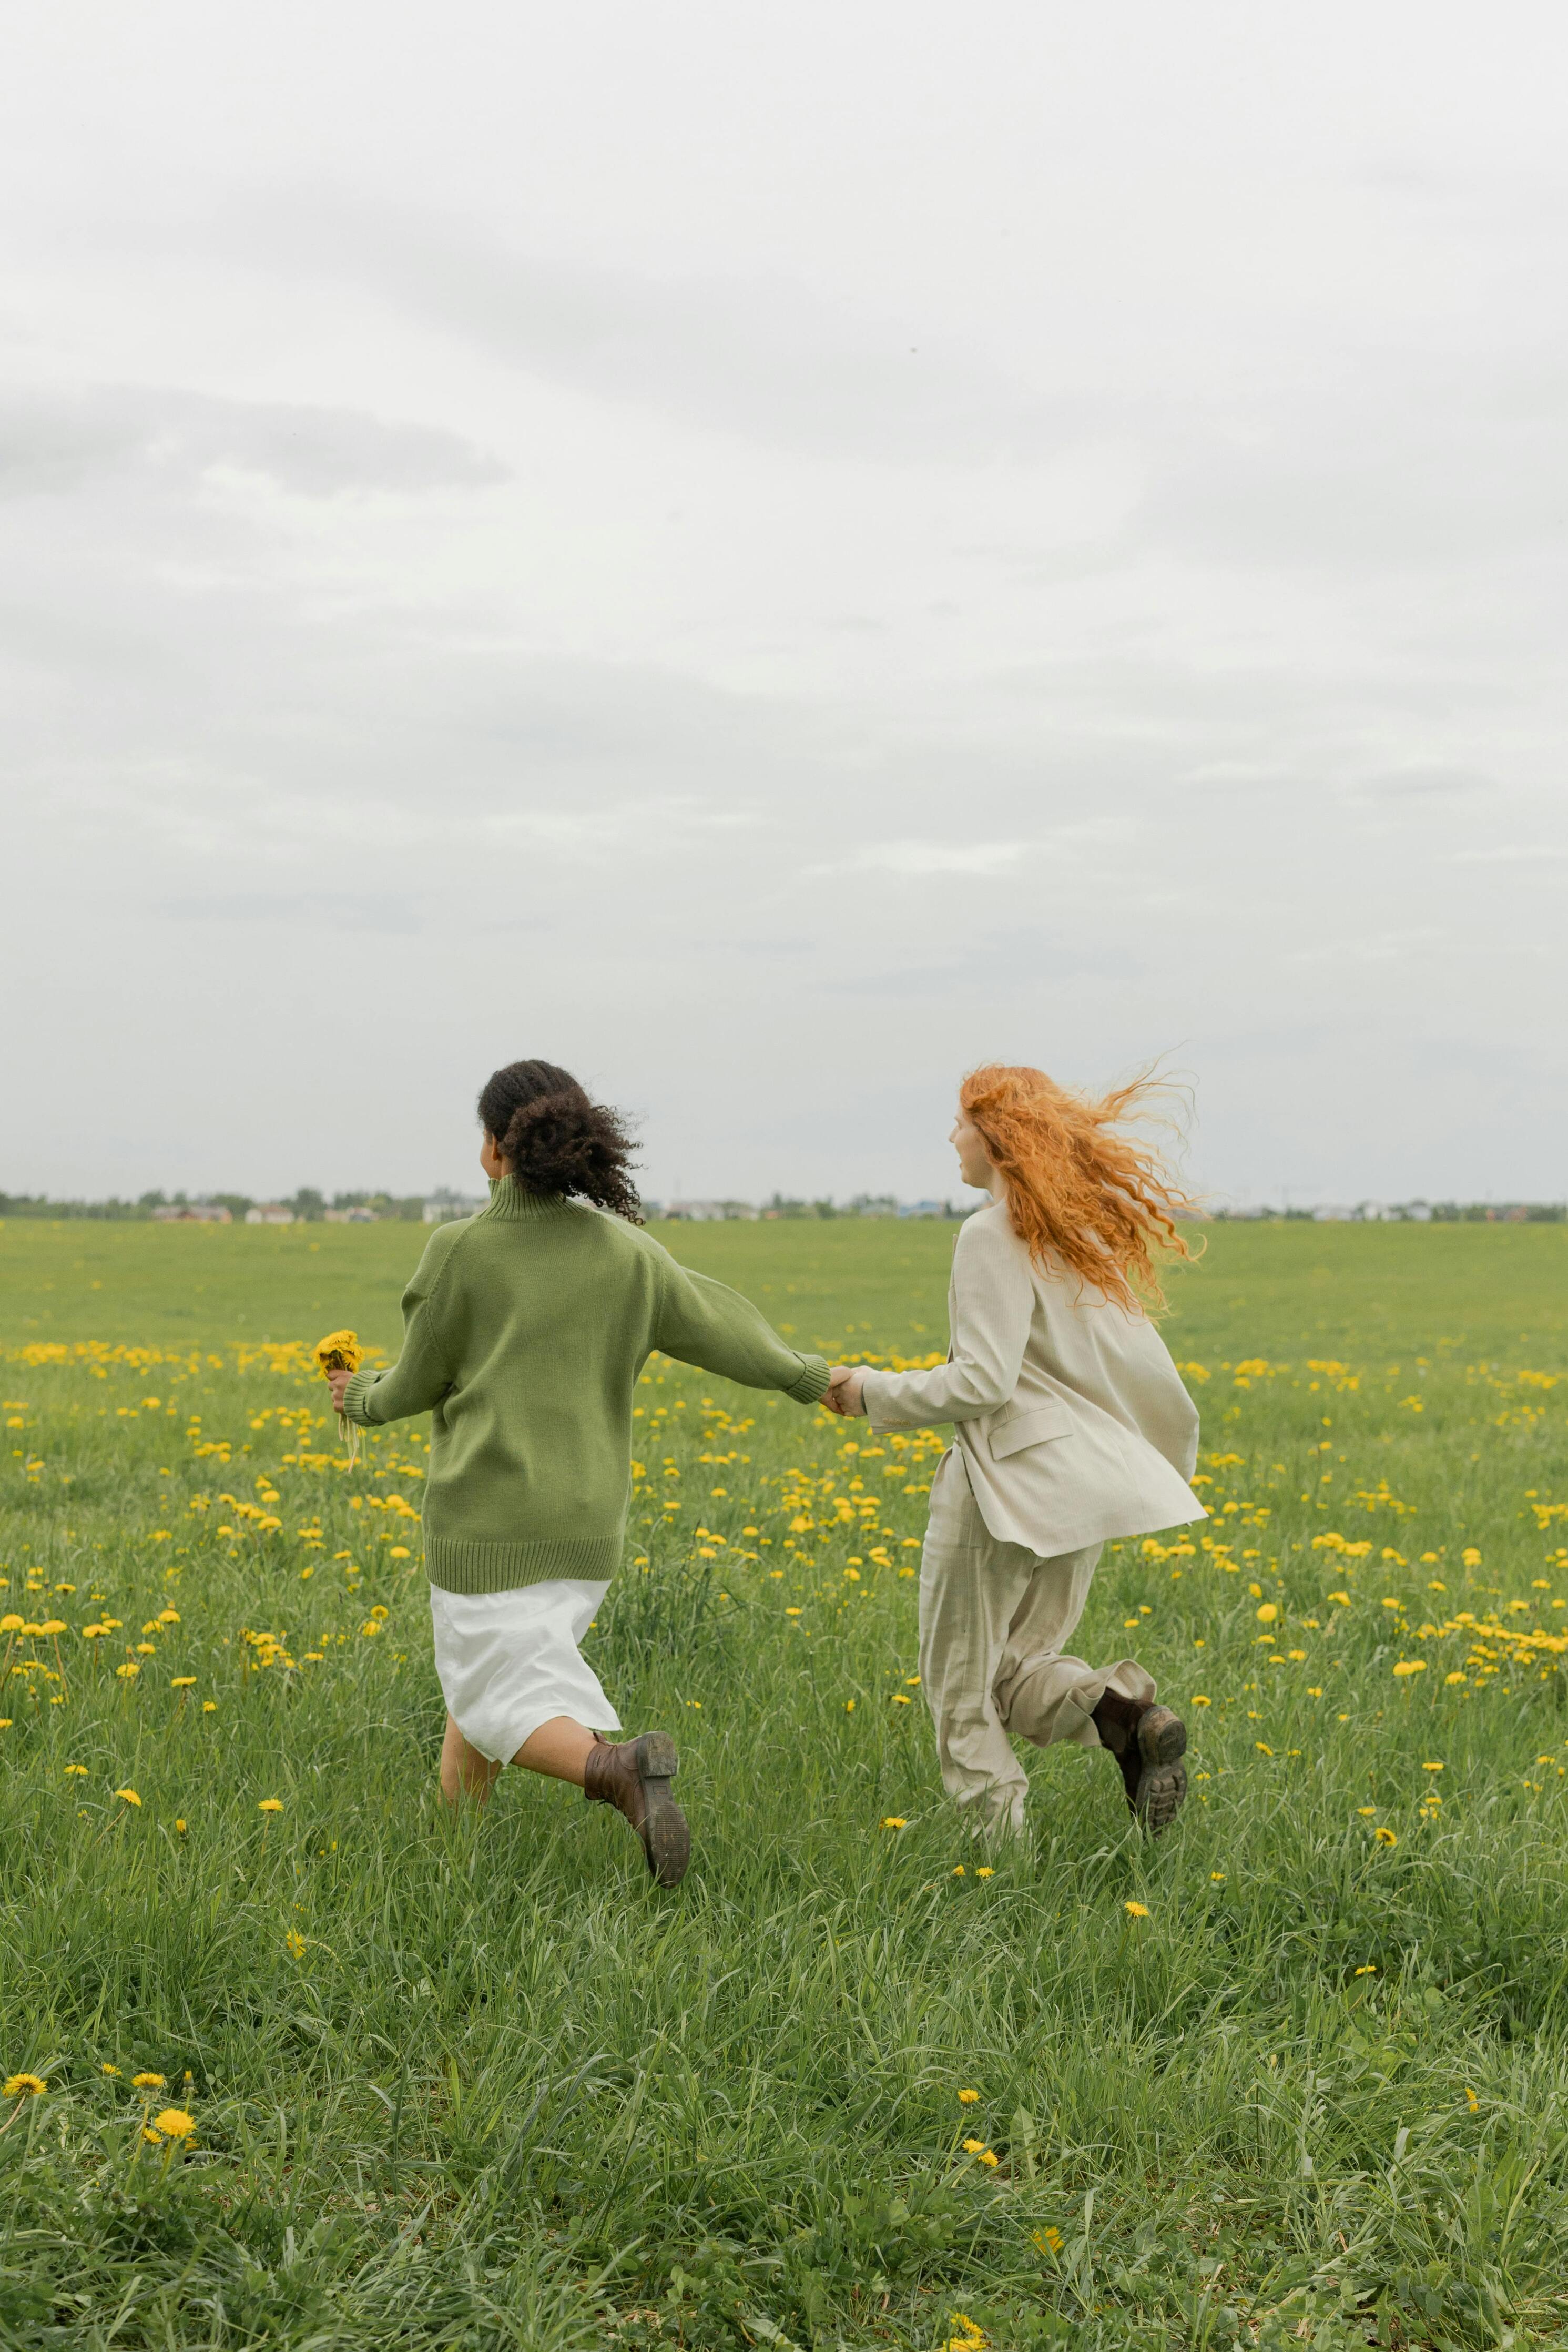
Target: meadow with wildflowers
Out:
[291,2057]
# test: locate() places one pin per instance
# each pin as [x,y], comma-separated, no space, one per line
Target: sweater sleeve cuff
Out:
[356,1396]
[813,1382]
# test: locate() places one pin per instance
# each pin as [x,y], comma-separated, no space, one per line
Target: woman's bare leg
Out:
[464,1771]
[560,1748]
[634,1777]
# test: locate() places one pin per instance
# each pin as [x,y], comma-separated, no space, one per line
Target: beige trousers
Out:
[993,1619]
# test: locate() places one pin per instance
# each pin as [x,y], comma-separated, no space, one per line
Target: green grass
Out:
[496,2091]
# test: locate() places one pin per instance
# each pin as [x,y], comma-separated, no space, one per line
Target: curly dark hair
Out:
[556,1141]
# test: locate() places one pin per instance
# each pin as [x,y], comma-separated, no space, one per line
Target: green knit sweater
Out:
[525,1329]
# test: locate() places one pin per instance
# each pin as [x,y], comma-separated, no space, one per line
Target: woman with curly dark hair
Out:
[525,1330]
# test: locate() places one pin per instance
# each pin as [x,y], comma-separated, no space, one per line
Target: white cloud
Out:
[1511,853]
[59,441]
[920,859]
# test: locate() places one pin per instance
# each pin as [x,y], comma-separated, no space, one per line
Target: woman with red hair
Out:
[1071,1428]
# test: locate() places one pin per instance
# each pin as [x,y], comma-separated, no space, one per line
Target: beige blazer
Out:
[1072,1420]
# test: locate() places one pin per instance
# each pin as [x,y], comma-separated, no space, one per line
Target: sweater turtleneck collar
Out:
[509,1200]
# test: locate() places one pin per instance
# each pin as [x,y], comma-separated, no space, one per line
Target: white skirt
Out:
[509,1660]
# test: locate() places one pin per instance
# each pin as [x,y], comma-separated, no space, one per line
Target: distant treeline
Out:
[307,1205]
[1412,1212]
[311,1207]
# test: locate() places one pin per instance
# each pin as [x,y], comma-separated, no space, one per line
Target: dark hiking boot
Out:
[1148,1743]
[634,1775]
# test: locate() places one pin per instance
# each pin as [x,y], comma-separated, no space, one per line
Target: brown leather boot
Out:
[1148,1743]
[634,1776]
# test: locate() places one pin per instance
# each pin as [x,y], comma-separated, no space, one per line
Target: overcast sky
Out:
[771,555]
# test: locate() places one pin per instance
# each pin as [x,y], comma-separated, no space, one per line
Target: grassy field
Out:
[1295,2074]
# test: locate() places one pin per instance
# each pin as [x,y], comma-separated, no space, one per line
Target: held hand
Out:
[338,1382]
[843,1397]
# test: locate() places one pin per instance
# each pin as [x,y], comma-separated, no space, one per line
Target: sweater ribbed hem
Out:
[459,1566]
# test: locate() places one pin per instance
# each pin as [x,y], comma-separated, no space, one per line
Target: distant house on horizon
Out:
[442,1206]
[193,1212]
[711,1213]
[269,1212]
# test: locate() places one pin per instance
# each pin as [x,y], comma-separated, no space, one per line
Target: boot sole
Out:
[1162,1783]
[1161,1795]
[666,1840]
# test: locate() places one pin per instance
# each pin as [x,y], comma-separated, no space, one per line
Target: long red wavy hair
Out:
[1078,1192]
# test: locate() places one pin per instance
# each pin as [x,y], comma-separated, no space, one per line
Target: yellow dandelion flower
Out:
[271,1805]
[76,1771]
[1137,1910]
[174,2123]
[339,1352]
[1367,1968]
[894,1821]
[1268,1613]
[24,2086]
[986,2156]
[148,2082]
[128,1795]
[985,1873]
[179,1825]
[1049,2241]
[1200,1699]
[1411,1666]
[1475,2104]
[1384,1835]
[973,2146]
[1471,1557]
[107,2069]
[183,1682]
[295,1944]
[1439,1768]
[968,2098]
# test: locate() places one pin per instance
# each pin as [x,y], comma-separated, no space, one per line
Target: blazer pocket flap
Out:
[1031,1428]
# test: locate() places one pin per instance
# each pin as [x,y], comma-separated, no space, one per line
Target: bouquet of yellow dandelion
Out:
[341,1351]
